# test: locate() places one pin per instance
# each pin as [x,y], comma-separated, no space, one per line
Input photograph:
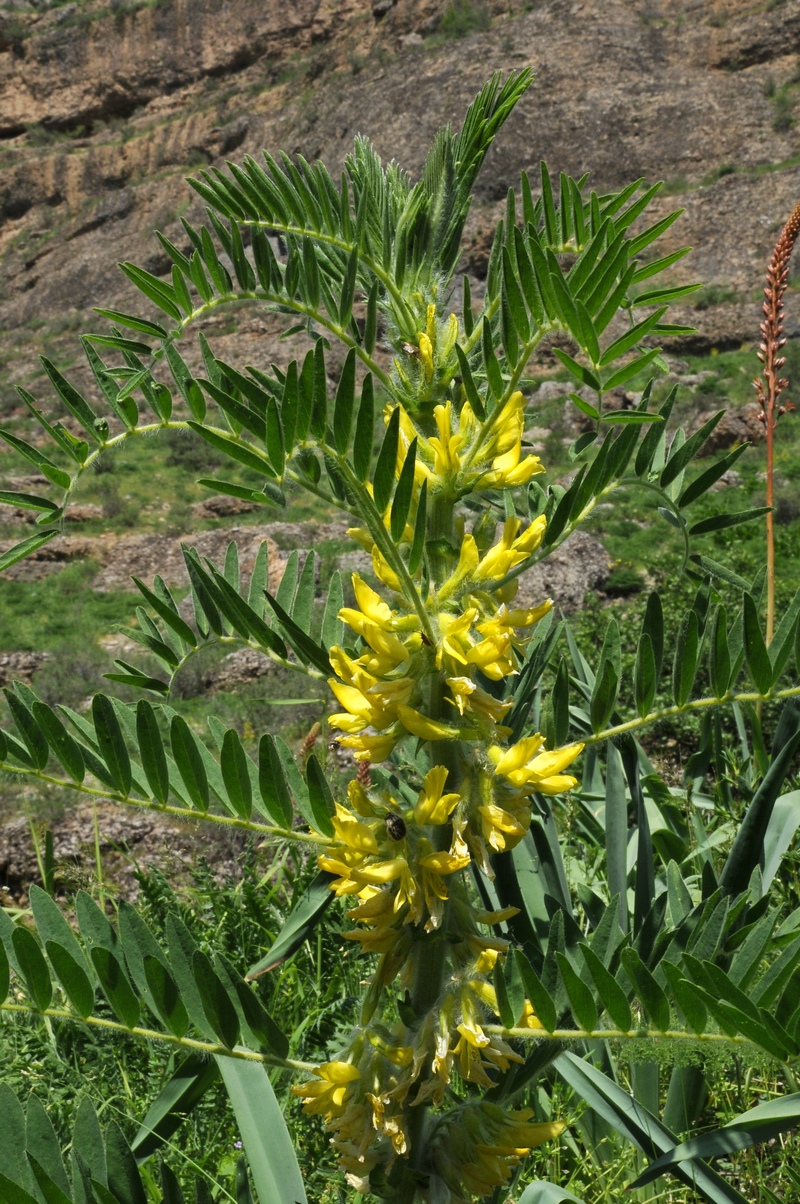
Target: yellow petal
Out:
[427,729]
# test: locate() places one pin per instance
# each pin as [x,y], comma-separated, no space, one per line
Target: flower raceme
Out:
[431,672]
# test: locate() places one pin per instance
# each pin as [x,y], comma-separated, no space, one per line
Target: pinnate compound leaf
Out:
[541,999]
[151,751]
[66,749]
[687,650]
[272,784]
[189,760]
[612,997]
[236,774]
[165,994]
[320,797]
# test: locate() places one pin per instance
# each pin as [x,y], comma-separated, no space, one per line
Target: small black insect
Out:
[395,827]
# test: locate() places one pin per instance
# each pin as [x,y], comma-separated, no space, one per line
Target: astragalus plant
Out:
[494,965]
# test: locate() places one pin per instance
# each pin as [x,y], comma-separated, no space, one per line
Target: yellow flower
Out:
[352,832]
[446,458]
[327,1095]
[527,769]
[370,748]
[433,807]
[426,354]
[467,563]
[426,729]
[511,550]
[384,571]
[501,829]
[467,696]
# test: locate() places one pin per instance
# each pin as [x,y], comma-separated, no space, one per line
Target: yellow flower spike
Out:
[433,807]
[383,872]
[462,688]
[524,769]
[516,756]
[400,1055]
[559,783]
[362,536]
[379,639]
[443,862]
[524,618]
[506,428]
[490,918]
[359,800]
[344,722]
[426,729]
[378,904]
[354,702]
[498,560]
[426,354]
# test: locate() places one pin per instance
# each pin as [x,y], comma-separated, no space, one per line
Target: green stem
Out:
[697,704]
[286,302]
[152,427]
[152,1034]
[614,1034]
[228,821]
[387,547]
[341,244]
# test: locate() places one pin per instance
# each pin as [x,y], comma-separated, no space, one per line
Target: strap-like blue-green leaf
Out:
[639,1126]
[762,1123]
[269,1148]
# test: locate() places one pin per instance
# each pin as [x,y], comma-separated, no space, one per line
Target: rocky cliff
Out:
[105,107]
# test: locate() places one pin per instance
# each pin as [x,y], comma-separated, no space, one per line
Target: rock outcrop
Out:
[105,105]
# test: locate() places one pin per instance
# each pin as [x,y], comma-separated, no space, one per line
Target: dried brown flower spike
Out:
[770,384]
